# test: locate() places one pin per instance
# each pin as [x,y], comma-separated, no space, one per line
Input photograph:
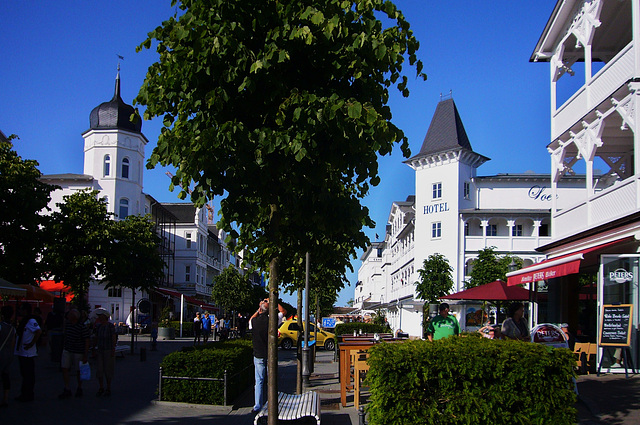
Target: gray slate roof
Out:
[446,131]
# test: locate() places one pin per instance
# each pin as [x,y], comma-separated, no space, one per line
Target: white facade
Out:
[454,213]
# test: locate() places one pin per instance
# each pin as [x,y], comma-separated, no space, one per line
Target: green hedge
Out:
[368,328]
[187,327]
[470,381]
[208,361]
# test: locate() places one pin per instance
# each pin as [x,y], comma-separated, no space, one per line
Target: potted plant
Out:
[165,330]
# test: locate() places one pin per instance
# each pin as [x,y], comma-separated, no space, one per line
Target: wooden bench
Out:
[294,406]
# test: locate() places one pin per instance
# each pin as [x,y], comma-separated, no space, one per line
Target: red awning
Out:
[58,289]
[556,267]
[189,300]
[493,291]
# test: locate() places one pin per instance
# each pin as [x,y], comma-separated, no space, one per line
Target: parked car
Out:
[288,335]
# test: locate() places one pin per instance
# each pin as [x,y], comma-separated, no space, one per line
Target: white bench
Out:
[122,349]
[294,406]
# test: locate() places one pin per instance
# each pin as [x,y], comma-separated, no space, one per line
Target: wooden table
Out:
[345,364]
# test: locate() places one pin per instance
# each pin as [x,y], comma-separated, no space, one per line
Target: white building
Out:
[455,213]
[593,49]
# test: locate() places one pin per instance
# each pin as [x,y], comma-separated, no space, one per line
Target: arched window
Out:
[123,212]
[125,168]
[107,166]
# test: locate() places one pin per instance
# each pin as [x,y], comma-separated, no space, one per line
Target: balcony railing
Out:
[505,243]
[614,202]
[615,73]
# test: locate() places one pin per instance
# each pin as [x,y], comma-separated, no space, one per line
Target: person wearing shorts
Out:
[106,340]
[76,350]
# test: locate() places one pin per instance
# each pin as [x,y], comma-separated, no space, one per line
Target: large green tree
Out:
[23,198]
[81,229]
[489,266]
[234,292]
[436,279]
[283,105]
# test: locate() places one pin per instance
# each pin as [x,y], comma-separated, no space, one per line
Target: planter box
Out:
[166,333]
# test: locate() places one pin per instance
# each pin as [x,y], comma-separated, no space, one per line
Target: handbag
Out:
[85,371]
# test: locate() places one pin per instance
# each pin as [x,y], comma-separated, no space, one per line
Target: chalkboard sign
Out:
[615,325]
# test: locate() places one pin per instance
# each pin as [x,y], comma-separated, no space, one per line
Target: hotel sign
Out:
[436,208]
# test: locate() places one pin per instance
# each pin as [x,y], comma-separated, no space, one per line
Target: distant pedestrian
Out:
[27,336]
[106,340]
[206,327]
[7,344]
[197,328]
[76,350]
[443,325]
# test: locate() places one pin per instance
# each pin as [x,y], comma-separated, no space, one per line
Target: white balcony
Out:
[613,75]
[505,243]
[614,202]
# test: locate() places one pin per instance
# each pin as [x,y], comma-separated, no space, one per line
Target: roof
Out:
[114,114]
[184,212]
[68,176]
[446,131]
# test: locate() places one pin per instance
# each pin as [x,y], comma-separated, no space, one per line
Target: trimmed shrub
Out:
[187,327]
[368,328]
[208,361]
[470,381]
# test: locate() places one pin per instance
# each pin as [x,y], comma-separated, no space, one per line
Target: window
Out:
[466,190]
[125,168]
[466,229]
[437,190]
[516,230]
[107,166]
[124,209]
[436,230]
[187,236]
[114,292]
[187,274]
[544,230]
[492,230]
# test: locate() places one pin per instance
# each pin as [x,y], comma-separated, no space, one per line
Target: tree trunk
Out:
[272,361]
[299,346]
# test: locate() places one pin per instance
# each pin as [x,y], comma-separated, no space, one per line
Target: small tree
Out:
[489,267]
[435,278]
[234,292]
[82,232]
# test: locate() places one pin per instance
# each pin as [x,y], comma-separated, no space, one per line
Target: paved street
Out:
[608,399]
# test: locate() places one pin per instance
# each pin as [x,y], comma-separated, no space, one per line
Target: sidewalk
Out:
[134,393]
[608,399]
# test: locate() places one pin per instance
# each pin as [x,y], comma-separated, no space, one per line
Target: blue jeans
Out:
[260,366]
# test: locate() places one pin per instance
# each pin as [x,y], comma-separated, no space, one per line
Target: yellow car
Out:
[288,335]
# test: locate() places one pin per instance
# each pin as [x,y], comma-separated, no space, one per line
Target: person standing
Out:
[106,340]
[197,328]
[206,327]
[28,334]
[76,350]
[7,344]
[259,324]
[443,325]
[515,327]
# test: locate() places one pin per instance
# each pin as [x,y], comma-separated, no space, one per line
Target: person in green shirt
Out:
[443,325]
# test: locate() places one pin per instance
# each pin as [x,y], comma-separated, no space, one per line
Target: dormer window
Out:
[107,166]
[125,168]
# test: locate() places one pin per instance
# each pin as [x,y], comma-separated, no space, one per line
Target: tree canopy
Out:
[22,199]
[435,278]
[489,266]
[282,106]
[234,292]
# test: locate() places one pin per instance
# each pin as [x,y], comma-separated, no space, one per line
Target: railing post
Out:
[160,385]
[225,387]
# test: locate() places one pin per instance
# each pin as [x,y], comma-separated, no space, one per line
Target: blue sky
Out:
[58,63]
